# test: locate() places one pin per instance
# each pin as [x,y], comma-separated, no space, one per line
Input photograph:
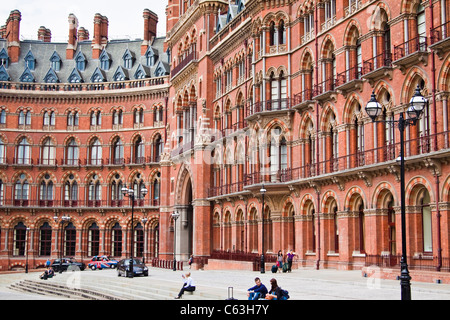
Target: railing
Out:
[182,148]
[255,258]
[184,62]
[166,264]
[269,105]
[78,203]
[440,33]
[323,87]
[409,47]
[305,95]
[226,189]
[422,262]
[379,61]
[71,87]
[348,75]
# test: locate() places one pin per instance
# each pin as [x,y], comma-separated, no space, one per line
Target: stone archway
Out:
[185,224]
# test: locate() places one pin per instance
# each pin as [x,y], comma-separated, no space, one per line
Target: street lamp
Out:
[144,221]
[175,216]
[263,268]
[130,194]
[414,111]
[26,250]
[61,249]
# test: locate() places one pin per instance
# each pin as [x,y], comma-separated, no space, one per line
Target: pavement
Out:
[302,284]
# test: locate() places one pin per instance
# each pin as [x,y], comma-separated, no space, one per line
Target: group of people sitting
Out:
[260,292]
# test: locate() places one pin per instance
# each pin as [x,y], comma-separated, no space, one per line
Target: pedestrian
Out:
[276,293]
[191,260]
[290,257]
[47,263]
[280,260]
[258,291]
[188,285]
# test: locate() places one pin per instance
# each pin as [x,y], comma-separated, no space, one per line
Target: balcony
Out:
[271,107]
[186,60]
[182,149]
[77,204]
[225,190]
[410,53]
[440,39]
[325,90]
[377,68]
[304,100]
[349,80]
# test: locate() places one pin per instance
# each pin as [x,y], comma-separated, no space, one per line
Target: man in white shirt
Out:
[189,285]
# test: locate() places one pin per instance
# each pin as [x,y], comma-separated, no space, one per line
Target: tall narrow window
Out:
[23,152]
[72,153]
[70,236]
[48,152]
[45,240]
[118,152]
[93,240]
[70,192]
[116,240]
[20,237]
[96,152]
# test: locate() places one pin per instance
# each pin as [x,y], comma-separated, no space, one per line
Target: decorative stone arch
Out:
[376,19]
[41,175]
[45,137]
[327,200]
[380,90]
[352,33]
[184,177]
[307,119]
[328,47]
[307,59]
[69,137]
[350,112]
[445,192]
[304,203]
[67,174]
[91,138]
[90,174]
[20,137]
[39,222]
[408,6]
[353,197]
[288,205]
[413,188]
[87,221]
[110,221]
[328,112]
[380,194]
[16,175]
[412,78]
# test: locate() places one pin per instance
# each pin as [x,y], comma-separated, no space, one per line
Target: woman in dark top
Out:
[275,291]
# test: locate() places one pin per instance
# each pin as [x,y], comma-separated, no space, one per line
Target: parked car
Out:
[139,268]
[65,264]
[102,262]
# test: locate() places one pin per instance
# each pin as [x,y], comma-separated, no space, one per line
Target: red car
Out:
[102,262]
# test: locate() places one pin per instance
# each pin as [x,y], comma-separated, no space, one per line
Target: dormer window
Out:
[128,59]
[55,61]
[80,61]
[30,61]
[151,56]
[105,61]
[4,59]
[75,77]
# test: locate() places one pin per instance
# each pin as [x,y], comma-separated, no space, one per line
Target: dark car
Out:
[139,268]
[65,264]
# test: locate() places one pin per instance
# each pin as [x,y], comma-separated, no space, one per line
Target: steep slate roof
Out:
[43,51]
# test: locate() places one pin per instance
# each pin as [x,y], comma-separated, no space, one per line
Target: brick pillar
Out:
[13,34]
[72,44]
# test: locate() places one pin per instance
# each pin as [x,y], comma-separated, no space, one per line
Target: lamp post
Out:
[61,249]
[144,221]
[26,250]
[414,111]
[263,268]
[175,216]
[130,194]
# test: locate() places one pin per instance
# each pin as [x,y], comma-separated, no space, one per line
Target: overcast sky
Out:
[125,17]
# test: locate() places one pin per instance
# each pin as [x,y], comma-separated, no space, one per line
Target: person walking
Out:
[280,260]
[290,257]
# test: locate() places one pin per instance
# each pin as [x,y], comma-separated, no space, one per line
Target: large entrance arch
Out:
[185,224]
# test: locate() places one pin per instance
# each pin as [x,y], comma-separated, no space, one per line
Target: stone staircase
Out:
[90,287]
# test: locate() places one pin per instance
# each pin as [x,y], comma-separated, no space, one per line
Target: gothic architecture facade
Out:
[247,119]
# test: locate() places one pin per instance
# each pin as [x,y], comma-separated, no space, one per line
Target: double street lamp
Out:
[130,194]
[416,107]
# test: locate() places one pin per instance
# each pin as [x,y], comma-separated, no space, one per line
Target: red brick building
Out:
[242,94]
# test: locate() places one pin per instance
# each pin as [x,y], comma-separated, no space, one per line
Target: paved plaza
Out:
[302,284]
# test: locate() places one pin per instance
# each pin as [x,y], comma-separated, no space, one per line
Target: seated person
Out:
[258,291]
[275,293]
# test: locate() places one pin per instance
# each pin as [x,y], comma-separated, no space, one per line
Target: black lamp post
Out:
[175,216]
[26,250]
[415,109]
[263,267]
[61,249]
[130,194]
[144,221]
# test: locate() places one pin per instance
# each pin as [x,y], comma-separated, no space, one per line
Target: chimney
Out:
[100,39]
[3,32]
[72,44]
[44,34]
[12,35]
[83,34]
[150,25]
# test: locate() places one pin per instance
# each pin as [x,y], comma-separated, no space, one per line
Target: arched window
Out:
[21,191]
[70,237]
[138,240]
[1,192]
[72,153]
[96,118]
[45,240]
[272,33]
[49,118]
[70,192]
[2,151]
[25,118]
[94,192]
[117,117]
[278,153]
[427,233]
[23,152]
[362,228]
[48,152]
[156,189]
[93,240]
[117,151]
[281,33]
[96,152]
[158,148]
[116,191]
[139,150]
[116,240]
[46,191]
[72,119]
[20,238]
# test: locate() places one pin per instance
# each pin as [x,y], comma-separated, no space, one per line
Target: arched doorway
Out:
[185,224]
